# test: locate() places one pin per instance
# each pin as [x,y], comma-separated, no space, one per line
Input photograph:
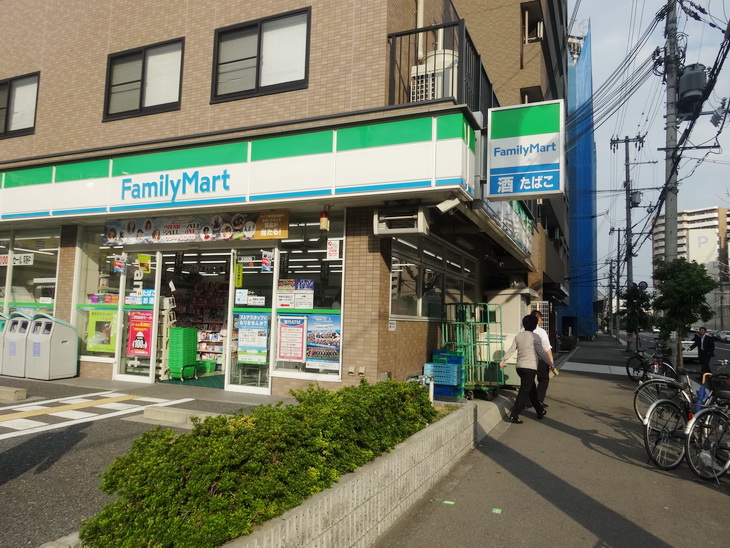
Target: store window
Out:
[18,98]
[427,273]
[33,271]
[97,308]
[144,80]
[308,326]
[4,247]
[264,56]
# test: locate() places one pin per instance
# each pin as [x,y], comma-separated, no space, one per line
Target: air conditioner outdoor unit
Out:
[393,221]
[437,77]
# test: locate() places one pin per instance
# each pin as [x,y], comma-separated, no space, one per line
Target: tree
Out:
[636,314]
[682,287]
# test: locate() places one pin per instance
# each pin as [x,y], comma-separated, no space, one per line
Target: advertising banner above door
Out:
[265,225]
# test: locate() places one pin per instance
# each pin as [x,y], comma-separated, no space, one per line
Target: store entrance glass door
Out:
[194,287]
[139,286]
[251,294]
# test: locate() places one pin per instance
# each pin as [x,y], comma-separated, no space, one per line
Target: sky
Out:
[616,28]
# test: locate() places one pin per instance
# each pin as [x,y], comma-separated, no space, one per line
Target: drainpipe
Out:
[419,24]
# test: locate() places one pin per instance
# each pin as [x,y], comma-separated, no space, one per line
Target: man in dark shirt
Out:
[705,348]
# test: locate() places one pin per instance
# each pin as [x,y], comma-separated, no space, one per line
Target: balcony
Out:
[436,63]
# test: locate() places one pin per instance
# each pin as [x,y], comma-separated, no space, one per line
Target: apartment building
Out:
[299,184]
[702,237]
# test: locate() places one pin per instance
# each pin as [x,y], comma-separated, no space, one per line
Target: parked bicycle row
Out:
[686,421]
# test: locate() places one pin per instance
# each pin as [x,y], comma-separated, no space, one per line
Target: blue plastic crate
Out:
[443,373]
[444,391]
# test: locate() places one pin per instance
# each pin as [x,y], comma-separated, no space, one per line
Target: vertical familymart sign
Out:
[526,148]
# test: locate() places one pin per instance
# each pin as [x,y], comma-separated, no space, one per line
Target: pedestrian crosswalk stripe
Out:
[69,407]
[25,427]
[72,414]
[22,424]
[115,406]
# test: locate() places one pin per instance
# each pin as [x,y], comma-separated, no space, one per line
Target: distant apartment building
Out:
[702,237]
[302,185]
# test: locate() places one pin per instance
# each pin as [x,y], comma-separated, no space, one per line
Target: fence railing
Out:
[435,63]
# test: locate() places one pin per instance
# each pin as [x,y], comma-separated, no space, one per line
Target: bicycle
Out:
[662,389]
[664,433]
[707,435]
[640,367]
[666,423]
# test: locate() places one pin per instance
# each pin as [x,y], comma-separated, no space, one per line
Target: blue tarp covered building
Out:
[580,318]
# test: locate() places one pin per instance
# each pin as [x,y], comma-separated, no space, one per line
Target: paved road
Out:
[578,478]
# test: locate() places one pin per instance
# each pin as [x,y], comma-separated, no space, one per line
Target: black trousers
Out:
[704,358]
[528,391]
[543,379]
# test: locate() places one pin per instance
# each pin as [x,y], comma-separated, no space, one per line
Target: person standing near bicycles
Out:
[543,367]
[705,346]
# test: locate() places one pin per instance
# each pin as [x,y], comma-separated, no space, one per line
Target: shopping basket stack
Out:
[447,371]
[183,352]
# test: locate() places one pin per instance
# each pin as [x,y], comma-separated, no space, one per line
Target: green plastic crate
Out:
[206,366]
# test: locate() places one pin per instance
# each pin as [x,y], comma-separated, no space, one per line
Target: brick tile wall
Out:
[65,272]
[347,66]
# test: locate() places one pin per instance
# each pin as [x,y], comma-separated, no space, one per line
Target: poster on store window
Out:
[323,342]
[139,333]
[101,333]
[292,338]
[265,225]
[253,338]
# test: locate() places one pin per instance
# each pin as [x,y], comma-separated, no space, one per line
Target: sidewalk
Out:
[604,355]
[578,478]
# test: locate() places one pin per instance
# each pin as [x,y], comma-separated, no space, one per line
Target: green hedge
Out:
[231,473]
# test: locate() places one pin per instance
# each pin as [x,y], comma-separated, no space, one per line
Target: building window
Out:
[532,23]
[144,80]
[427,273]
[265,56]
[18,105]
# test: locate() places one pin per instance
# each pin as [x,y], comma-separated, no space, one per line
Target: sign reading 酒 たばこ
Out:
[525,151]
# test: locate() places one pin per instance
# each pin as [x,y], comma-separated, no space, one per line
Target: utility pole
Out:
[629,204]
[670,199]
[610,293]
[618,280]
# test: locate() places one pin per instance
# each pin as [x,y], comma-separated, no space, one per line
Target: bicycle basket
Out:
[719,383]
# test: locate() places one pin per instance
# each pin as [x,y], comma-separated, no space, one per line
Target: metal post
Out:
[618,279]
[670,202]
[639,141]
[629,246]
[610,294]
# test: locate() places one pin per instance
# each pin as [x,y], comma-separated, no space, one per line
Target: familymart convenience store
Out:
[244,242]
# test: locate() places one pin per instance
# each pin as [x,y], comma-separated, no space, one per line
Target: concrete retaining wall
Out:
[365,503]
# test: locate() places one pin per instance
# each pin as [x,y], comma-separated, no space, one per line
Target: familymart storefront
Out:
[255,295]
[243,242]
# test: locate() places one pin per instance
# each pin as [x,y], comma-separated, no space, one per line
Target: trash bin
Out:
[3,322]
[51,349]
[16,331]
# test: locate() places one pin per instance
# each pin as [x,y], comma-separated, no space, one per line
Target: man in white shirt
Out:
[543,367]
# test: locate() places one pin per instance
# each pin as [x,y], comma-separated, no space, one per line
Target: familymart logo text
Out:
[190,183]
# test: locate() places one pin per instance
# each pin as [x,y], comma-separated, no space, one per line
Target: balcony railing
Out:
[436,63]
